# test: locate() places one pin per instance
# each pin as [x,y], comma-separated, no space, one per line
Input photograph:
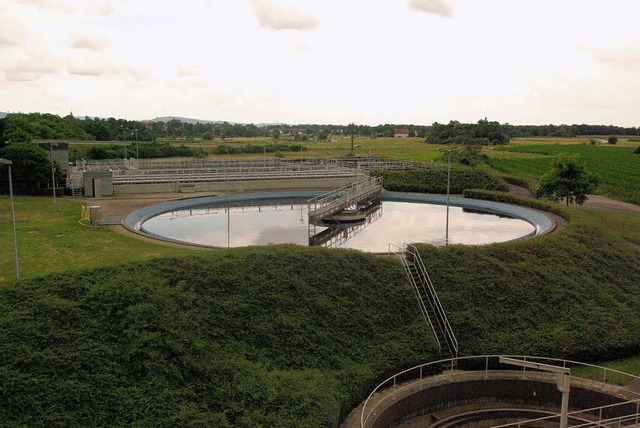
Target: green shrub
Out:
[145,150]
[255,148]
[516,200]
[269,336]
[435,180]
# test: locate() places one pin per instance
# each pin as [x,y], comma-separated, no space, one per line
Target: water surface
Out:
[394,223]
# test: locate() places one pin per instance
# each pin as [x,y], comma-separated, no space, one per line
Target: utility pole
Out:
[446,233]
[137,152]
[353,127]
[13,217]
[53,177]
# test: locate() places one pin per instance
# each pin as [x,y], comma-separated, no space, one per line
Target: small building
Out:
[401,133]
[98,184]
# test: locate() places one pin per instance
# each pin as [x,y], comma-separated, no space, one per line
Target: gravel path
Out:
[593,202]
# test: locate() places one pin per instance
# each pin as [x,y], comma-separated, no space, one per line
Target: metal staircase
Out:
[430,305]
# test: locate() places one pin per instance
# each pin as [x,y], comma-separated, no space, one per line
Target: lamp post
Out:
[446,233]
[13,217]
[137,152]
[53,176]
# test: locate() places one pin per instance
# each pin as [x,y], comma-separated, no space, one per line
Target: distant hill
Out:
[189,120]
[183,119]
[2,115]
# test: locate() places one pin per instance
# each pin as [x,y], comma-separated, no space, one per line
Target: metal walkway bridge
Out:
[331,203]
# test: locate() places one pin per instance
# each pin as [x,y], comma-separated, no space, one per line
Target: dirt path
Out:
[593,202]
[129,204]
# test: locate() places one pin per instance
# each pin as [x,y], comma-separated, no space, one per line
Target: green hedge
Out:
[278,336]
[255,148]
[519,181]
[435,181]
[572,294]
[517,200]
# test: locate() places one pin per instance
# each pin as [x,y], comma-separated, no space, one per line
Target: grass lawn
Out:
[617,166]
[56,242]
[398,148]
[626,365]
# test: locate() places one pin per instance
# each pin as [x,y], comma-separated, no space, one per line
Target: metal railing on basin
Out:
[385,392]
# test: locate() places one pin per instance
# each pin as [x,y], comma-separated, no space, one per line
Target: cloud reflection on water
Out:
[288,223]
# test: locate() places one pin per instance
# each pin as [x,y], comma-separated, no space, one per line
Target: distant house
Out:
[401,133]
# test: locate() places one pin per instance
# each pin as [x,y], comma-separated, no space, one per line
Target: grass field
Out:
[54,242]
[618,167]
[626,365]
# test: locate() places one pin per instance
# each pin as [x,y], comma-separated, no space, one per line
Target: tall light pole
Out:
[13,217]
[446,233]
[137,152]
[53,176]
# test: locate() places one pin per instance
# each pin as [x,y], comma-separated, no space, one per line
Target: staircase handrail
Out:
[452,342]
[425,313]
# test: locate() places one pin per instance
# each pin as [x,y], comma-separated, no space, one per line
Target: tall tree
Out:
[31,166]
[568,179]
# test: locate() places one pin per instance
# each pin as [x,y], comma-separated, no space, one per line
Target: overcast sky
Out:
[325,61]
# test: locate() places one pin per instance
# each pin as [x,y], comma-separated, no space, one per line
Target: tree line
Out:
[26,127]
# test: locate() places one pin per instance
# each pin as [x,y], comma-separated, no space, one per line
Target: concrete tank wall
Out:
[478,393]
[233,186]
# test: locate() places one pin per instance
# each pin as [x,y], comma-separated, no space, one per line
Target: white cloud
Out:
[89,42]
[435,7]
[624,57]
[12,32]
[31,67]
[104,8]
[191,70]
[274,16]
[368,62]
[92,68]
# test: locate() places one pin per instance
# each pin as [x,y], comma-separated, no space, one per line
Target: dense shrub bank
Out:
[277,336]
[529,184]
[255,148]
[435,181]
[288,336]
[573,295]
[143,150]
[508,198]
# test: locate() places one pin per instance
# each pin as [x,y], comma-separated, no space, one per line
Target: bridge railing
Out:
[344,197]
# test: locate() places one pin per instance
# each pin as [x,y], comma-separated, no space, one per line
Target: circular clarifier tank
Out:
[282,217]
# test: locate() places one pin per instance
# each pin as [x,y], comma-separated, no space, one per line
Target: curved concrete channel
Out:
[542,223]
